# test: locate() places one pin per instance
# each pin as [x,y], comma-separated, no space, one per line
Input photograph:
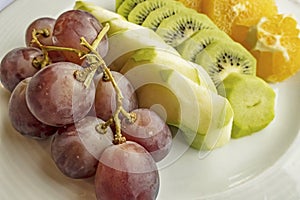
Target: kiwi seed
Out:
[176,29]
[199,41]
[126,7]
[143,9]
[222,59]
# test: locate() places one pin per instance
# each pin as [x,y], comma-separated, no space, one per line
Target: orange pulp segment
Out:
[236,16]
[275,43]
[194,4]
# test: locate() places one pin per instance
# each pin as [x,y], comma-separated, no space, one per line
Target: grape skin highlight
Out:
[105,99]
[22,119]
[150,131]
[56,98]
[126,171]
[50,99]
[77,147]
[70,26]
[41,24]
[17,65]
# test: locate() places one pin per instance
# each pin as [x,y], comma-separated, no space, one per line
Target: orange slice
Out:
[194,4]
[236,16]
[275,43]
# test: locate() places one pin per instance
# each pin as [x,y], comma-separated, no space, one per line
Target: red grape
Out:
[105,99]
[40,24]
[126,171]
[150,131]
[17,65]
[70,26]
[56,98]
[22,119]
[77,147]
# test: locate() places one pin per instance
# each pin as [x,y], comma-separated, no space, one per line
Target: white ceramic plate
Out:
[260,167]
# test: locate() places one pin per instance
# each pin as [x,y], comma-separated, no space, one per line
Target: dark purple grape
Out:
[22,119]
[17,65]
[150,131]
[105,99]
[56,98]
[70,26]
[126,171]
[45,39]
[77,147]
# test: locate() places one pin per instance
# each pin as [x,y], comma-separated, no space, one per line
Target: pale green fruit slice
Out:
[120,25]
[117,22]
[204,76]
[133,40]
[204,116]
[100,13]
[219,131]
[253,102]
[159,56]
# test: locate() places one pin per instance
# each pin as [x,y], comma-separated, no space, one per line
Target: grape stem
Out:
[94,57]
[45,49]
[46,61]
[86,76]
[118,137]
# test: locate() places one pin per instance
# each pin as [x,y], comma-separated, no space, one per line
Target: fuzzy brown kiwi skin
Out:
[222,59]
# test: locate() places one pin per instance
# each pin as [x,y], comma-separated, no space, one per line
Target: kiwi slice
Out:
[118,3]
[126,7]
[221,59]
[155,17]
[179,27]
[191,47]
[142,10]
[252,101]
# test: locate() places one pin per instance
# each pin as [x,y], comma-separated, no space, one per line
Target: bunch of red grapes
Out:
[84,121]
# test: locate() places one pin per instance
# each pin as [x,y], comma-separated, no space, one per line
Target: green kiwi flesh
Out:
[118,3]
[155,17]
[126,7]
[222,59]
[143,9]
[252,101]
[191,47]
[177,28]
